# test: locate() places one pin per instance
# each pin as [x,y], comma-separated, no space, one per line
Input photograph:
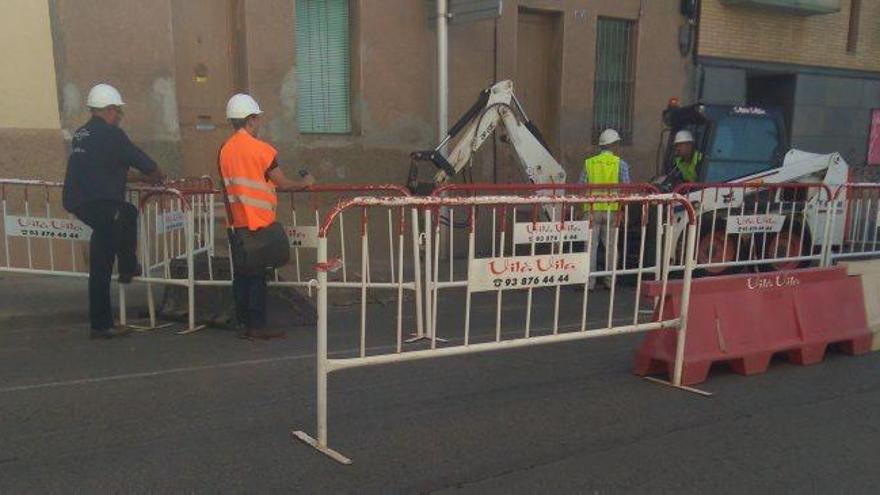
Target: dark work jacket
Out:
[98,165]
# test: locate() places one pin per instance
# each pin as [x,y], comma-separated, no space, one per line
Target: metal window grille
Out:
[323,66]
[614,82]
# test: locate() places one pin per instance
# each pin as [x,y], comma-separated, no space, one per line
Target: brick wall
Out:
[748,33]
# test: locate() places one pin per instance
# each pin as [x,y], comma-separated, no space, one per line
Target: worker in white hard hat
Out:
[251,174]
[94,191]
[687,158]
[606,167]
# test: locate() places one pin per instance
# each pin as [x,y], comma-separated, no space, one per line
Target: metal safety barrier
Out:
[41,238]
[767,226]
[167,232]
[300,212]
[366,244]
[565,314]
[855,222]
[531,230]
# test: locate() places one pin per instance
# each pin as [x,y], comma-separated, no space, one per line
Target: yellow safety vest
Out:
[603,168]
[689,169]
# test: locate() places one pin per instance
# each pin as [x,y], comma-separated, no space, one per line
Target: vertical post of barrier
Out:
[321,370]
[365,263]
[658,247]
[685,301]
[190,273]
[123,315]
[417,275]
[436,274]
[471,253]
[830,216]
[429,273]
[147,264]
[5,232]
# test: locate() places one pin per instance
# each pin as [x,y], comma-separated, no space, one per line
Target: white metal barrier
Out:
[41,238]
[301,212]
[629,236]
[366,244]
[488,275]
[855,223]
[173,226]
[744,225]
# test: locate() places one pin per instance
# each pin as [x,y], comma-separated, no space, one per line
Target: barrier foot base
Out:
[306,438]
[192,330]
[680,387]
[418,338]
[149,328]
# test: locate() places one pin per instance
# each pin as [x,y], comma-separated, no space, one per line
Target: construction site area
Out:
[422,246]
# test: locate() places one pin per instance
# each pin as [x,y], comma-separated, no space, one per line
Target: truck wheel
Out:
[788,242]
[722,247]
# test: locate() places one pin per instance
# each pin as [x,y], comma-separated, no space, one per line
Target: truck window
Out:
[742,146]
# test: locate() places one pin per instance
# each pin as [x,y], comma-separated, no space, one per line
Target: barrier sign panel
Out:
[171,220]
[527,232]
[525,272]
[303,237]
[754,224]
[47,228]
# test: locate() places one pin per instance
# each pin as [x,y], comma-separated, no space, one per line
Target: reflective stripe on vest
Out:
[603,168]
[244,161]
[247,200]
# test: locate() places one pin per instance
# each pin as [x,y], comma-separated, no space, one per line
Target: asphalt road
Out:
[208,412]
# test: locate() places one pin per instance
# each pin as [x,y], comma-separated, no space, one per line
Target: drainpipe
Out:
[442,69]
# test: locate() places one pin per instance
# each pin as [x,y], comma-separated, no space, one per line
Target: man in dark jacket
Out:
[94,191]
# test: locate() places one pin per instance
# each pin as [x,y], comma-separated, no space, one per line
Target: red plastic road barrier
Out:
[746,319]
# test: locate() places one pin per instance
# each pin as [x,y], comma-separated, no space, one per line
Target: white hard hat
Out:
[241,106]
[102,96]
[684,137]
[608,136]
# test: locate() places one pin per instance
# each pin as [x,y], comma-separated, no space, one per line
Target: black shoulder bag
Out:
[253,251]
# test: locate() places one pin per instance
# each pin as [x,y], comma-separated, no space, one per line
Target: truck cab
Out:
[735,141]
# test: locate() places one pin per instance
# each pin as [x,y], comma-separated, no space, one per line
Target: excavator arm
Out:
[496,106]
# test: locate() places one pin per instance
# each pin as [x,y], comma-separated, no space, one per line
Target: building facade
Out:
[348,86]
[818,60]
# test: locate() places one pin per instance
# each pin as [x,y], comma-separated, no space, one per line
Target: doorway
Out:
[210,67]
[539,70]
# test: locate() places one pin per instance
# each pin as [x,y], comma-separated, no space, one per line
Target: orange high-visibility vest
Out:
[244,161]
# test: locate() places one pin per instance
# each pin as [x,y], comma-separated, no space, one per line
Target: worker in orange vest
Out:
[251,175]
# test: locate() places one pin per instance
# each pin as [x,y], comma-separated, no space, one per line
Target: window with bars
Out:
[614,82]
[323,66]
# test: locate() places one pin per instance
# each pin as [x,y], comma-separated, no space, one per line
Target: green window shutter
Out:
[614,82]
[323,66]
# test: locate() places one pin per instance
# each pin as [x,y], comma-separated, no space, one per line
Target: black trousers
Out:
[114,235]
[250,292]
